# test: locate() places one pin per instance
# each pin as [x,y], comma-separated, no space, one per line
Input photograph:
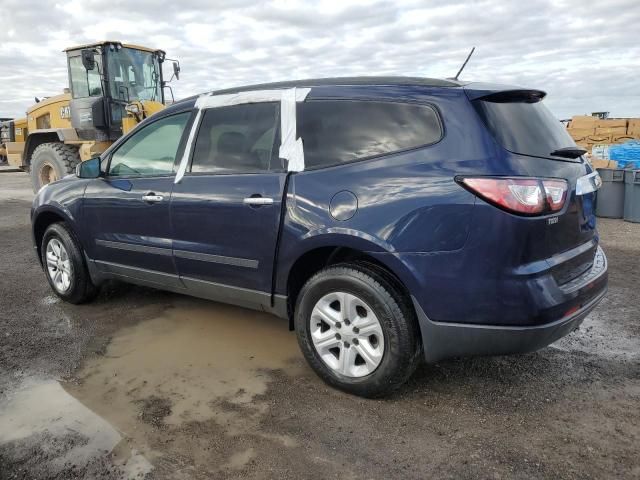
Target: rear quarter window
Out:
[342,131]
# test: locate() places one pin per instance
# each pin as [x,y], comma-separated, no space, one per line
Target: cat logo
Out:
[65,112]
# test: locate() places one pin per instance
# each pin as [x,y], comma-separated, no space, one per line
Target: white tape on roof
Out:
[291,147]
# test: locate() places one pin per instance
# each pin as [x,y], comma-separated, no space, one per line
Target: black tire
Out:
[56,158]
[81,287]
[402,344]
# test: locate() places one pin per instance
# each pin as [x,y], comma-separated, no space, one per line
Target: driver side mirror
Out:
[88,59]
[176,70]
[89,168]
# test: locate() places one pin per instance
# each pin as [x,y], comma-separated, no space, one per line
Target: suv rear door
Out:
[226,209]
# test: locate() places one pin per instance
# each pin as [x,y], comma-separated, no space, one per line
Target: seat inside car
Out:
[229,152]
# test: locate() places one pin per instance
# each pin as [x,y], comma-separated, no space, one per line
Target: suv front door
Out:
[126,212]
[226,209]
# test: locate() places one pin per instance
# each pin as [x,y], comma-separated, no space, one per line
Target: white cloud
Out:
[584,53]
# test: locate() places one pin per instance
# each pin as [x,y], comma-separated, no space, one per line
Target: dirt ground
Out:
[147,384]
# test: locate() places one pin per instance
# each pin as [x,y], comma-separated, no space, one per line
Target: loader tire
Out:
[51,162]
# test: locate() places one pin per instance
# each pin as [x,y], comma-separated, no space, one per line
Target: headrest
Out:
[231,142]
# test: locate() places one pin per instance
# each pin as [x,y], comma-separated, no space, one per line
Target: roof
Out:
[346,81]
[99,44]
[472,89]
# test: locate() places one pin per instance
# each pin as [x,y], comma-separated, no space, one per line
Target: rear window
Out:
[237,139]
[341,131]
[522,124]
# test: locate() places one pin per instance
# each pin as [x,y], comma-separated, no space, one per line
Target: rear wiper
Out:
[568,152]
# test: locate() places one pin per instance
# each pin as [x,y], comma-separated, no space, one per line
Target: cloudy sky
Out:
[584,53]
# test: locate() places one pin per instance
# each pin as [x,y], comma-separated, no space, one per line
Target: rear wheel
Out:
[356,330]
[64,265]
[51,162]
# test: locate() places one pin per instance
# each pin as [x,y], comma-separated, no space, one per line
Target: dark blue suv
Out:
[388,219]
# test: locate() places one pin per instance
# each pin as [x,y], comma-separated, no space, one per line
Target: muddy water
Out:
[43,413]
[198,362]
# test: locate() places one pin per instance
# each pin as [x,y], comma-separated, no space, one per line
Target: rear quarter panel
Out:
[406,202]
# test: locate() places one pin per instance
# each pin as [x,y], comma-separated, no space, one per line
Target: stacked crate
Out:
[588,131]
[633,128]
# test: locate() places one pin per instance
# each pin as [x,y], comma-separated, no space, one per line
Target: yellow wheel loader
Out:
[3,150]
[112,87]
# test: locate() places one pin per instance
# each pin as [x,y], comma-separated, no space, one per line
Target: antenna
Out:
[465,63]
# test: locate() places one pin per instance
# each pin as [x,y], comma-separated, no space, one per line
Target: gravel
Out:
[568,411]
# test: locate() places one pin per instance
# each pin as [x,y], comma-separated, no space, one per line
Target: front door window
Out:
[150,151]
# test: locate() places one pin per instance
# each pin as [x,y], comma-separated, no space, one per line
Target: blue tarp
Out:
[626,154]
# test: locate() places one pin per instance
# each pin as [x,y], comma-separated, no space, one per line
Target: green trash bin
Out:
[610,196]
[632,196]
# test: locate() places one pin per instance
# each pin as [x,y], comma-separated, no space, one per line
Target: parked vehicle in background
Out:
[388,219]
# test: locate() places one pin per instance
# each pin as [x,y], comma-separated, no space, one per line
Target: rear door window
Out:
[238,139]
[341,131]
[522,124]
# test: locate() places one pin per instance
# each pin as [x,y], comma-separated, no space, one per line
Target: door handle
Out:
[258,201]
[152,198]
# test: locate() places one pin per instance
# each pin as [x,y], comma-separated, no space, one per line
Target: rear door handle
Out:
[152,198]
[258,201]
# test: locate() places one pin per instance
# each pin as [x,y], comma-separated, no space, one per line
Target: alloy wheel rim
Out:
[58,265]
[347,334]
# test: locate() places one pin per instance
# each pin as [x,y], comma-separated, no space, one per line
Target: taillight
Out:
[524,196]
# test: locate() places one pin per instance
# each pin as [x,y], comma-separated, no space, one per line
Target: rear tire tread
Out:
[403,319]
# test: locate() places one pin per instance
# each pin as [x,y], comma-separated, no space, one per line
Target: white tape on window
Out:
[187,148]
[291,147]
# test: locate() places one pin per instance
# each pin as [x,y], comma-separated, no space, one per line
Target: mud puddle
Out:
[63,434]
[200,362]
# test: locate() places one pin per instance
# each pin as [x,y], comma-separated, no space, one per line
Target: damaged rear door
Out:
[225,211]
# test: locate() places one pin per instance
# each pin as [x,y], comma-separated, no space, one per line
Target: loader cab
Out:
[106,77]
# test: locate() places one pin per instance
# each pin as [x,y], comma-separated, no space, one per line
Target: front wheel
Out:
[357,330]
[64,265]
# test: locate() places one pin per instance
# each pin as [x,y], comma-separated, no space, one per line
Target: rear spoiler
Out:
[494,93]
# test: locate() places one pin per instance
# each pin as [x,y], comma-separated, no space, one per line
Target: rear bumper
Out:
[443,340]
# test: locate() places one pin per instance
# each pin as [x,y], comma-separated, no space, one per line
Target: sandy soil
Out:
[147,384]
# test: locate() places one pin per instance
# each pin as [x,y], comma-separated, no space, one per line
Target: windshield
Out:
[523,124]
[134,75]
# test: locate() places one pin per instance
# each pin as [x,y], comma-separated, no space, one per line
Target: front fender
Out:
[58,201]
